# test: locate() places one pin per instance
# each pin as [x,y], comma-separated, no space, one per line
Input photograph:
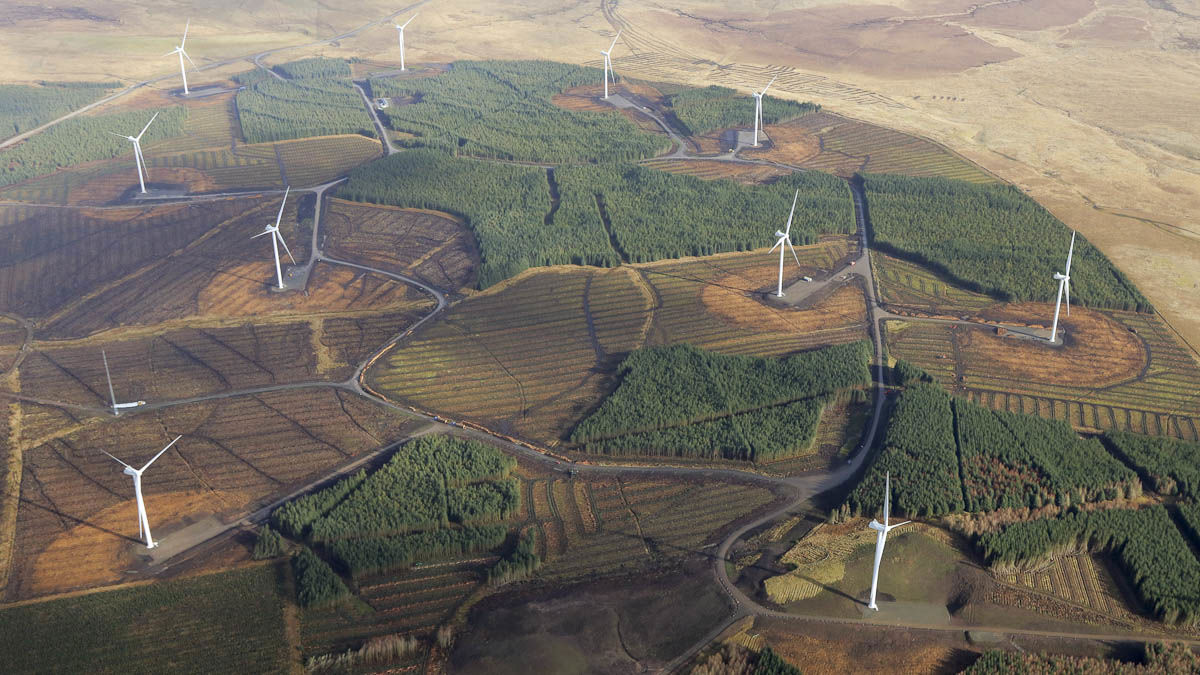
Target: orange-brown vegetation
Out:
[845,306]
[851,653]
[99,550]
[429,245]
[330,288]
[113,185]
[236,455]
[1096,351]
[709,169]
[790,143]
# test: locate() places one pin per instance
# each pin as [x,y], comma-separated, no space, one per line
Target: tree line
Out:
[24,106]
[502,110]
[700,111]
[946,454]
[1170,466]
[991,239]
[377,555]
[1146,541]
[1158,659]
[664,387]
[317,102]
[520,564]
[757,436]
[85,139]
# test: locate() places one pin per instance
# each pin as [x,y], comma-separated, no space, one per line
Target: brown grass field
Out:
[331,288]
[826,651]
[236,455]
[829,142]
[432,246]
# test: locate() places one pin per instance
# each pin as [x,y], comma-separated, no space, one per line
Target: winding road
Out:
[185,543]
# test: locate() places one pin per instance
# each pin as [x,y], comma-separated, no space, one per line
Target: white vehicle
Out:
[808,278]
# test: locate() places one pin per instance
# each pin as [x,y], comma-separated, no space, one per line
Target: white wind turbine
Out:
[400,30]
[881,530]
[143,521]
[785,242]
[277,239]
[116,407]
[758,96]
[143,171]
[1064,283]
[182,55]
[608,63]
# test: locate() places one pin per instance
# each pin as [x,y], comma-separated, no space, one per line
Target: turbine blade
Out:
[409,20]
[160,452]
[152,118]
[108,376]
[614,42]
[788,231]
[281,205]
[186,26]
[793,250]
[120,462]
[261,234]
[764,89]
[1067,285]
[285,248]
[185,55]
[137,151]
[1070,253]
[171,52]
[887,493]
[777,245]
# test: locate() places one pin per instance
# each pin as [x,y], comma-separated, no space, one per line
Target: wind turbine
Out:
[277,239]
[137,152]
[608,63]
[116,407]
[881,537]
[143,521]
[758,96]
[400,30]
[1064,283]
[182,55]
[785,242]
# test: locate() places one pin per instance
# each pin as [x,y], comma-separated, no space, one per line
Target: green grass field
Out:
[227,622]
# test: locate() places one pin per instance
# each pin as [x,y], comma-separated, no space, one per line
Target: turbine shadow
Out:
[80,521]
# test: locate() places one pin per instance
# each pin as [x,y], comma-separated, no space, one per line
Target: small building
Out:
[381,103]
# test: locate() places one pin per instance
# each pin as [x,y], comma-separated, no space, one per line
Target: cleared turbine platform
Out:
[745,139]
[295,278]
[920,613]
[618,101]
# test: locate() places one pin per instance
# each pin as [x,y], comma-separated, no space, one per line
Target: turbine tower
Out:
[758,96]
[137,152]
[608,63]
[143,521]
[785,242]
[1064,283]
[277,239]
[116,407]
[183,55]
[400,30]
[881,530]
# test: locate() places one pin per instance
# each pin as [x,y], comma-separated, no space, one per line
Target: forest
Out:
[653,214]
[1170,466]
[502,110]
[700,111]
[85,139]
[946,454]
[436,497]
[991,239]
[522,562]
[663,387]
[918,450]
[1158,659]
[315,100]
[25,106]
[759,435]
[1146,541]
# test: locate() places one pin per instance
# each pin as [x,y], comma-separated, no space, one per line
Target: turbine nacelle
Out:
[1059,276]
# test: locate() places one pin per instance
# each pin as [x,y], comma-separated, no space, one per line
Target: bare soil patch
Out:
[846,306]
[1097,351]
[792,142]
